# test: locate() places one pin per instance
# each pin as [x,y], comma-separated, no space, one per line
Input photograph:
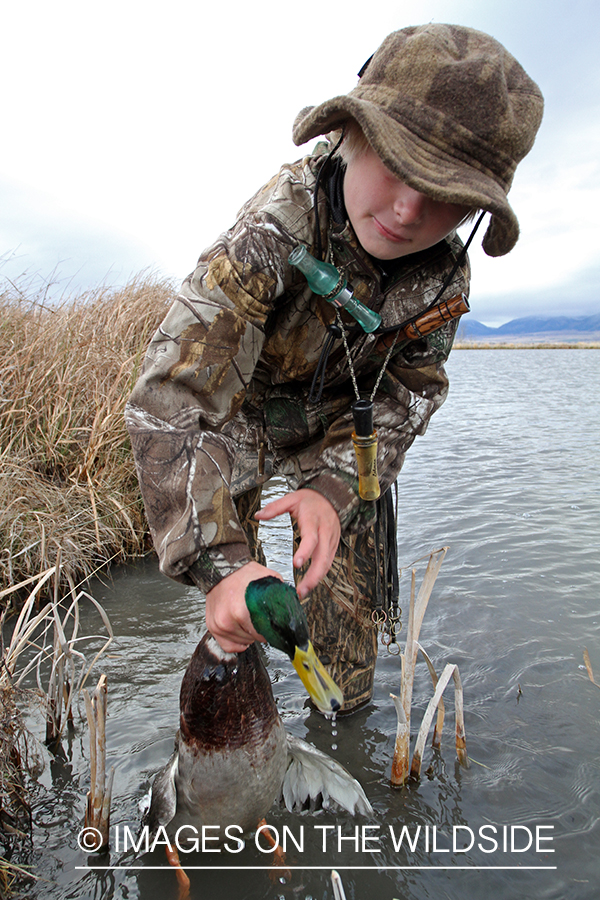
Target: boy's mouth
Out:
[390,235]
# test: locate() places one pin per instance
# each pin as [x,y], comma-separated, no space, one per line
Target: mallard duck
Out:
[233,757]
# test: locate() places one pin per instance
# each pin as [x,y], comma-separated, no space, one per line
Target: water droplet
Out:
[334,732]
[334,746]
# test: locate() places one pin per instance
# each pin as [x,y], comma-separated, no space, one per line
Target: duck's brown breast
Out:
[226,703]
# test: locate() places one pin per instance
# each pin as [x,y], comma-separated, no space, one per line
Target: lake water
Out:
[507,477]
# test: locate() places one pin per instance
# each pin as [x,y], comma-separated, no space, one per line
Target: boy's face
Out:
[391,219]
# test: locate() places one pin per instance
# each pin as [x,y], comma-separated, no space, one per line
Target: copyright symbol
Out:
[89,839]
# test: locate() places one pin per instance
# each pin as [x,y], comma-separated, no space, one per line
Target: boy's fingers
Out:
[312,578]
[306,548]
[319,528]
[230,646]
[233,636]
[318,569]
[275,508]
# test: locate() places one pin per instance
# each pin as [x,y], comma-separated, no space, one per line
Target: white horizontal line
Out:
[300,868]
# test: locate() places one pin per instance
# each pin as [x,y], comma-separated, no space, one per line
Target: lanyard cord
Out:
[318,241]
[351,366]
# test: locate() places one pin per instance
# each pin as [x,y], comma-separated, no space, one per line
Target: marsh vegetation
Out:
[67,479]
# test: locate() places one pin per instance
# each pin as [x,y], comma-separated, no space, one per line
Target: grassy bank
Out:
[67,478]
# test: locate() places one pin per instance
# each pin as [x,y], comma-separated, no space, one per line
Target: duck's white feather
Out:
[311,773]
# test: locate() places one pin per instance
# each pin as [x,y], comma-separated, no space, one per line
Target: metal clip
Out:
[379,618]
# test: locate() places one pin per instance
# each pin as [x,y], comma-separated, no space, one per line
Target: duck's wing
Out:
[312,774]
[163,797]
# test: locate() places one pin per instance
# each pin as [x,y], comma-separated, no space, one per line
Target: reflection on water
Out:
[507,477]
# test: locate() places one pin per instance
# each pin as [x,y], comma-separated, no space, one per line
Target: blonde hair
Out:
[354,142]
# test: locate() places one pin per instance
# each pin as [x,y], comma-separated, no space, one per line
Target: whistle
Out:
[364,439]
[327,281]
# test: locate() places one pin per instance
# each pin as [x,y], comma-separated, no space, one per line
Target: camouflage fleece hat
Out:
[450,112]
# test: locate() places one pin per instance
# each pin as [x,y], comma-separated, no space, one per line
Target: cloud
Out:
[146,128]
[58,247]
[556,197]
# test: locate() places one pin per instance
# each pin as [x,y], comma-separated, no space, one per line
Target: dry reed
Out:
[402,768]
[15,814]
[67,479]
[337,885]
[48,642]
[588,666]
[97,811]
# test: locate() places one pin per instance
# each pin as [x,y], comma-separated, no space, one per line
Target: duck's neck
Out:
[225,696]
[214,649]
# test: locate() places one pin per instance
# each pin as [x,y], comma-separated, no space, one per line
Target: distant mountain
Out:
[554,328]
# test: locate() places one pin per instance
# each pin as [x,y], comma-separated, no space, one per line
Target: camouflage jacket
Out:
[222,401]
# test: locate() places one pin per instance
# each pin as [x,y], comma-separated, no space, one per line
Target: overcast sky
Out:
[134,131]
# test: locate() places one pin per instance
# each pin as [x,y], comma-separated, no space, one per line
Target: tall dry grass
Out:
[67,479]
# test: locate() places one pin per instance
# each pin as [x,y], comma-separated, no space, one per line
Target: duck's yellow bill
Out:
[323,690]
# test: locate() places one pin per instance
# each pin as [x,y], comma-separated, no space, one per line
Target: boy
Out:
[251,374]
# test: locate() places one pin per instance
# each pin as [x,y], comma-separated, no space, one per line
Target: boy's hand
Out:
[319,527]
[227,616]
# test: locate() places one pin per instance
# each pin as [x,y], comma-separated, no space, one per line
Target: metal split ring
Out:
[379,618]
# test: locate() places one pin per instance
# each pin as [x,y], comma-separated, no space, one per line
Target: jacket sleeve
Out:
[414,386]
[194,379]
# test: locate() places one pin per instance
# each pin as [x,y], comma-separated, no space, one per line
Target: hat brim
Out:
[421,164]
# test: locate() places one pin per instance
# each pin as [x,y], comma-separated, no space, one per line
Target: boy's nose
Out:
[409,205]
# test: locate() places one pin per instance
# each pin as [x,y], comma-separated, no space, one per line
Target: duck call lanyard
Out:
[386,616]
[364,437]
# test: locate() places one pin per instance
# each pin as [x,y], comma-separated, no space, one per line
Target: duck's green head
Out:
[277,615]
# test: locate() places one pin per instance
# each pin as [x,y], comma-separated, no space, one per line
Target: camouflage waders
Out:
[339,614]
